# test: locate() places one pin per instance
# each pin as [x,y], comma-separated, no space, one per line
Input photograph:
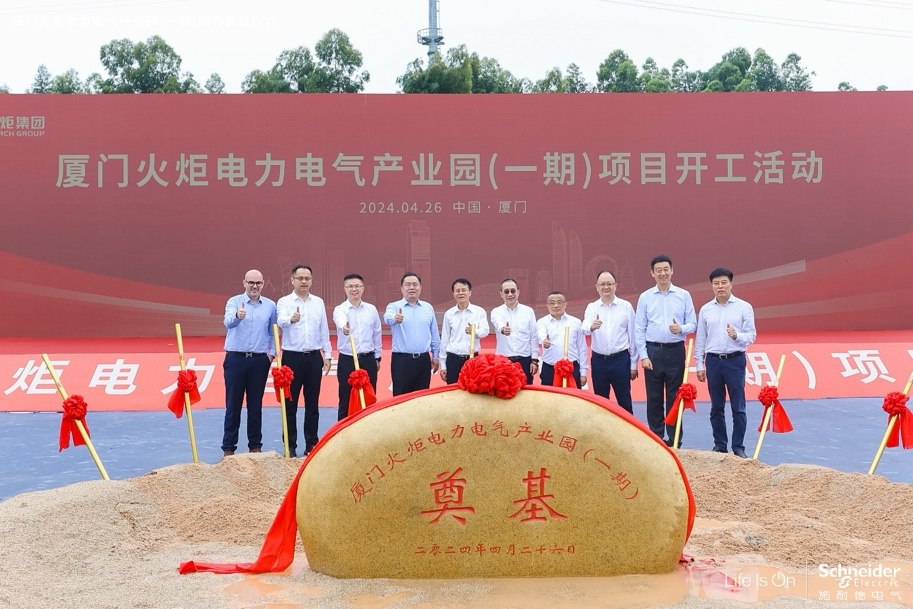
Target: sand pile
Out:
[117,544]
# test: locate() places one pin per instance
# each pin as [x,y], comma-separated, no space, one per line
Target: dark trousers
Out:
[547,374]
[525,363]
[308,370]
[727,375]
[662,384]
[613,372]
[244,376]
[455,363]
[345,366]
[410,372]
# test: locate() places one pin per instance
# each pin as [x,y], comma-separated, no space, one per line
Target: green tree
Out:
[490,77]
[683,80]
[575,81]
[655,80]
[765,72]
[42,82]
[338,68]
[795,76]
[881,88]
[68,82]
[214,84]
[152,66]
[4,89]
[439,77]
[845,86]
[552,83]
[617,73]
[93,83]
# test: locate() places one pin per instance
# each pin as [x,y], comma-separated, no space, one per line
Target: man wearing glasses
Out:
[610,323]
[416,340]
[515,330]
[559,332]
[358,319]
[306,350]
[249,318]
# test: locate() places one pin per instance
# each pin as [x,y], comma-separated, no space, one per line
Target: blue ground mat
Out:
[839,433]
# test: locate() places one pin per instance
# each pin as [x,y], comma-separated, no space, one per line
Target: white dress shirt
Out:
[364,326]
[712,336]
[453,331]
[309,333]
[523,340]
[553,329]
[617,331]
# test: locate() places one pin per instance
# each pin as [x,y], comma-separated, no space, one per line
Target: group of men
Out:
[652,336]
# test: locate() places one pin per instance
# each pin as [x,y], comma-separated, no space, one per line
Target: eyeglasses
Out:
[301,278]
[509,290]
[605,284]
[354,286]
[253,284]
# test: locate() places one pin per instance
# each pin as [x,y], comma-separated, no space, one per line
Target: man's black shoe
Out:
[738,452]
[717,449]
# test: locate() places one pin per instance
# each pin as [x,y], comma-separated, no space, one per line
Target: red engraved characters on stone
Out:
[448,496]
[535,506]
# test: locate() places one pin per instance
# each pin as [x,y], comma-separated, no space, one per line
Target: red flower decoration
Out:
[187,383]
[360,383]
[187,380]
[74,409]
[685,396]
[492,374]
[779,421]
[564,370]
[895,404]
[359,379]
[282,382]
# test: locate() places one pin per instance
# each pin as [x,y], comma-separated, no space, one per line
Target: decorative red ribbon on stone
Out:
[74,409]
[282,381]
[359,379]
[187,383]
[895,404]
[492,374]
[686,392]
[564,369]
[779,420]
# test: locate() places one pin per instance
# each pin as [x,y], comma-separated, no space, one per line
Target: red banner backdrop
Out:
[140,374]
[124,214]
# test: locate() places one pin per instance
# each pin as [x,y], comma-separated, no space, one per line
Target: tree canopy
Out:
[335,66]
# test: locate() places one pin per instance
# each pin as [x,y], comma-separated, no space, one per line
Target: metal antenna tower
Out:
[432,36]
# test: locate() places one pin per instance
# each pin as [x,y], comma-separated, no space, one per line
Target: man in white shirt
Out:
[356,319]
[725,329]
[610,323]
[306,350]
[456,329]
[552,330]
[515,330]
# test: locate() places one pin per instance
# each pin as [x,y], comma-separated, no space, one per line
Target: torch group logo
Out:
[21,126]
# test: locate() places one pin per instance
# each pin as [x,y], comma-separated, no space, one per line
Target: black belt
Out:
[664,345]
[726,355]
[312,352]
[360,355]
[611,356]
[449,354]
[518,358]
[246,354]
[412,355]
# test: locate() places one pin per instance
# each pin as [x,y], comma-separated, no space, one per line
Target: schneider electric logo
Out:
[869,576]
[21,126]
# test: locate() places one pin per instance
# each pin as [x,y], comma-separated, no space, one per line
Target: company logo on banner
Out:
[21,126]
[143,381]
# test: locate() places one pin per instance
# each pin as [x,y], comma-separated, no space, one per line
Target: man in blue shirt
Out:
[416,339]
[249,318]
[664,317]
